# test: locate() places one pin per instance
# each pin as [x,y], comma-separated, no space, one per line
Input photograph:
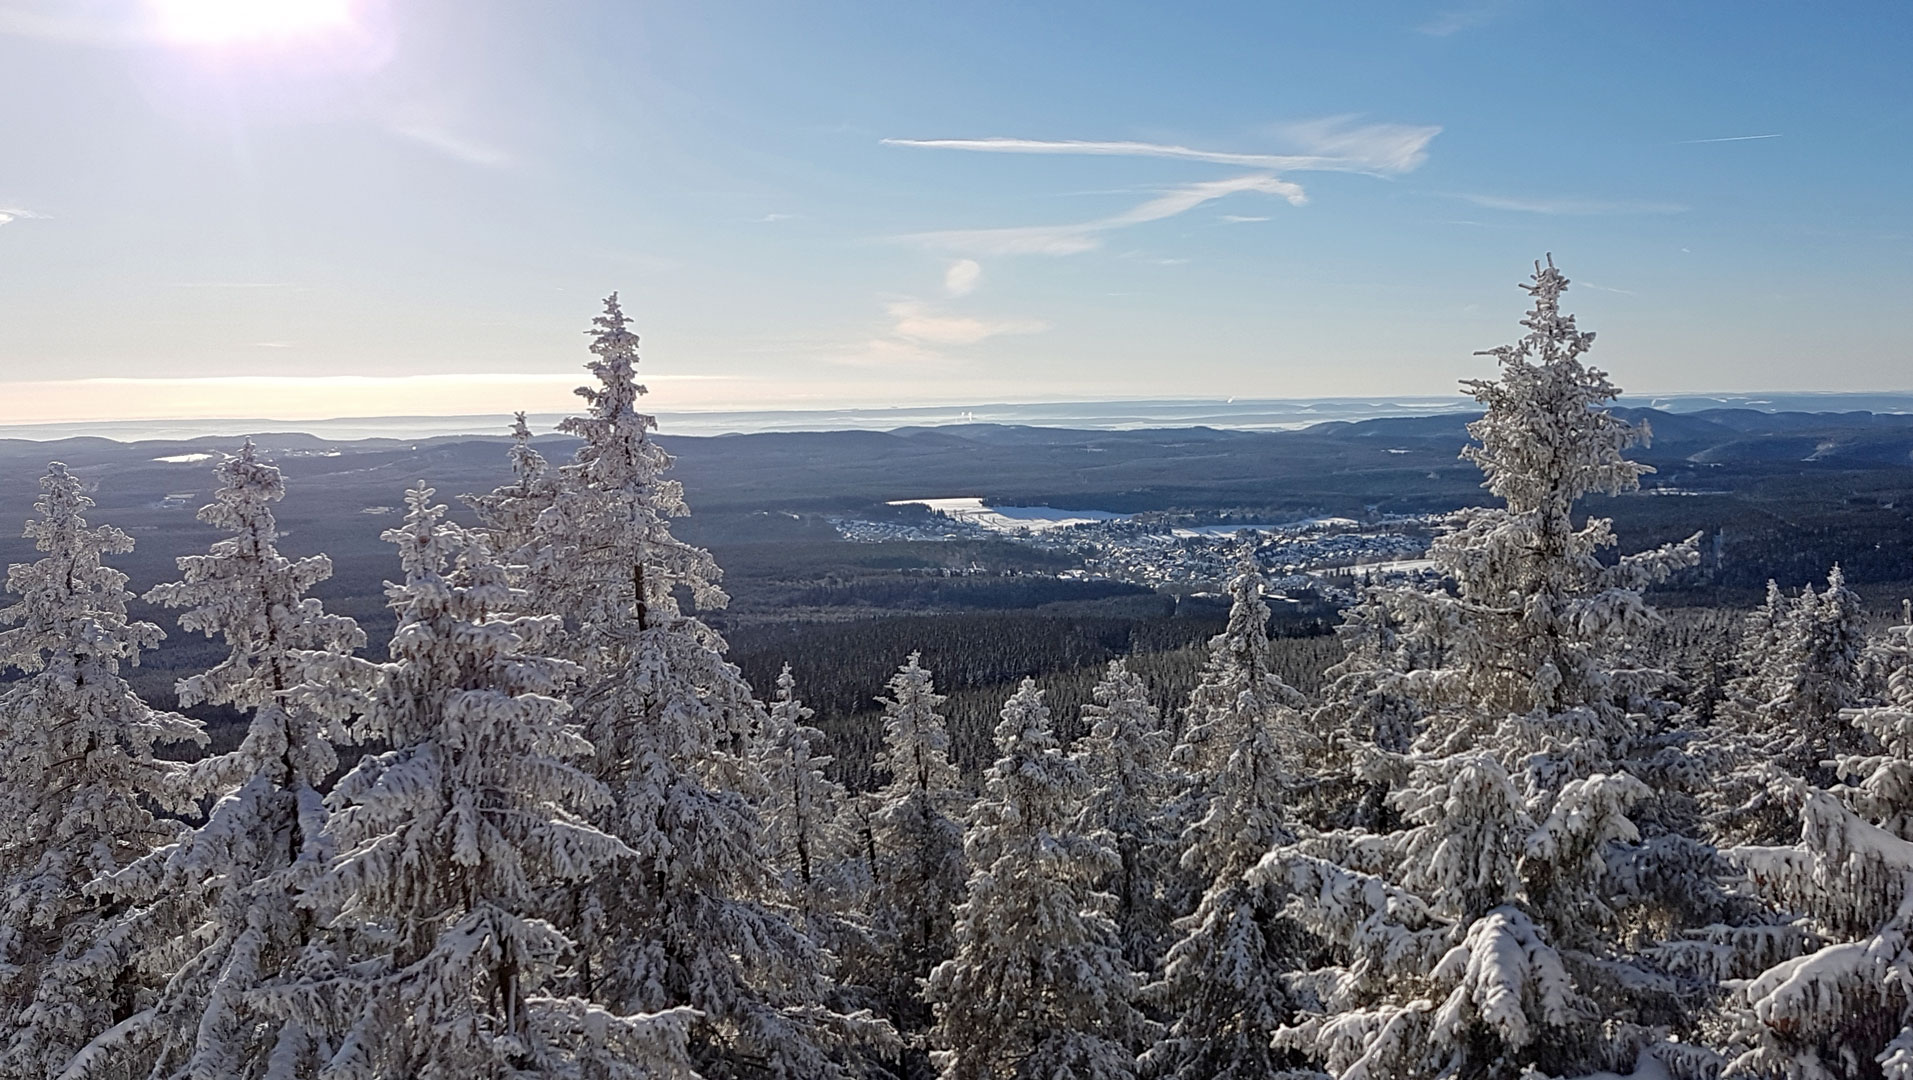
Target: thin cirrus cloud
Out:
[1728,138]
[10,214]
[453,145]
[1455,20]
[1084,236]
[1334,144]
[885,353]
[1572,207]
[1021,240]
[917,321]
[1105,149]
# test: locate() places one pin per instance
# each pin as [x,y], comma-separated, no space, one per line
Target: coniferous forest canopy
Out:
[524,771]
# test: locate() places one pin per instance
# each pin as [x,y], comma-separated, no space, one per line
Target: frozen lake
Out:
[972,511]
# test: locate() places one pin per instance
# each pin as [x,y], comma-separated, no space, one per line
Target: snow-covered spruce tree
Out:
[1221,984]
[1543,633]
[213,917]
[811,847]
[452,842]
[1125,757]
[1038,987]
[79,786]
[1525,919]
[681,923]
[1366,718]
[1844,1009]
[1368,694]
[1756,663]
[603,547]
[1819,674]
[1751,798]
[1800,663]
[915,842]
[509,513]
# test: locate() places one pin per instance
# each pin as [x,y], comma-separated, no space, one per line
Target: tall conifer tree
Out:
[1038,987]
[214,917]
[1523,919]
[810,843]
[1125,758]
[681,924]
[82,783]
[1221,984]
[452,842]
[1834,999]
[916,840]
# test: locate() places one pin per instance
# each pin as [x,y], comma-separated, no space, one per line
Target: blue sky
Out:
[208,209]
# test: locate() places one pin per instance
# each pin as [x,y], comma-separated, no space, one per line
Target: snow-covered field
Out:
[972,511]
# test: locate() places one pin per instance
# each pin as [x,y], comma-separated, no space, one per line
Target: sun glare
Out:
[232,22]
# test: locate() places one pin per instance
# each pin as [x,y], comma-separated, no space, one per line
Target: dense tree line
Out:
[980,658]
[1491,832]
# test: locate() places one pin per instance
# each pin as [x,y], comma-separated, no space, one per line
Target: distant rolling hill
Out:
[1791,491]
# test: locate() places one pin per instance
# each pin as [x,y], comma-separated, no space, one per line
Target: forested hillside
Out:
[549,803]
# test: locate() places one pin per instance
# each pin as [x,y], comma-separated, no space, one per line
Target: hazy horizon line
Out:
[1110,413]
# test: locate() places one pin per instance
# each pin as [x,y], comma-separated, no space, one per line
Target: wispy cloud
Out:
[1332,145]
[1243,219]
[17,213]
[1114,149]
[962,277]
[884,353]
[1018,240]
[1727,138]
[917,321]
[1352,146]
[1572,206]
[920,331]
[1467,17]
[770,219]
[454,145]
[1188,197]
[1084,236]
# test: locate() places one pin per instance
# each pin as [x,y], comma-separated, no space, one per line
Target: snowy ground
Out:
[1009,519]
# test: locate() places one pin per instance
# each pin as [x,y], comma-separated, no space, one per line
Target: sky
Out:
[307,208]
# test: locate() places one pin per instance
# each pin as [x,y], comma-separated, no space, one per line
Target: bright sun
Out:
[231,22]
